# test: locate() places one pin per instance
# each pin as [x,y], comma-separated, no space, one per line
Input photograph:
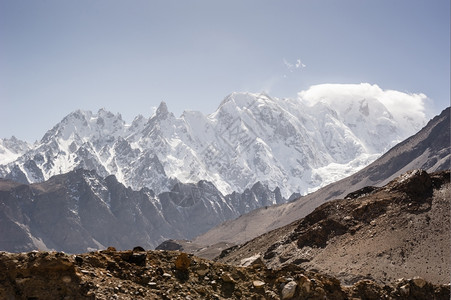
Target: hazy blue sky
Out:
[126,56]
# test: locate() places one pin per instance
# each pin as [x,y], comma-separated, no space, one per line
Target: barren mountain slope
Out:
[429,149]
[382,234]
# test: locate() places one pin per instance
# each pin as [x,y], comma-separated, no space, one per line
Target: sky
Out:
[128,56]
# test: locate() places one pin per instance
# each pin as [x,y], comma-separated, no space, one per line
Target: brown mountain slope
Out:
[382,234]
[429,149]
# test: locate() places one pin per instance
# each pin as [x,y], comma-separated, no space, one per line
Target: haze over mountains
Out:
[294,144]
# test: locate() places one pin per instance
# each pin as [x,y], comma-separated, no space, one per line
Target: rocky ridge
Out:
[139,274]
[376,233]
[81,211]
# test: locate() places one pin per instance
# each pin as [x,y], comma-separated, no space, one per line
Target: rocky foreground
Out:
[140,274]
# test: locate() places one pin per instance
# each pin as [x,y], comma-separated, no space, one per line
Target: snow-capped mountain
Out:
[293,144]
[79,211]
[429,150]
[11,149]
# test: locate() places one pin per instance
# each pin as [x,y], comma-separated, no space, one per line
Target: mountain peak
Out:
[78,114]
[162,109]
[13,139]
[239,100]
[107,114]
[12,148]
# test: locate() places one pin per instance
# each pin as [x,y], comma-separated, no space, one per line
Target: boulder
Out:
[289,290]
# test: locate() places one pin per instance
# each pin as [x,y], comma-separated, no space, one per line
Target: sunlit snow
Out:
[298,144]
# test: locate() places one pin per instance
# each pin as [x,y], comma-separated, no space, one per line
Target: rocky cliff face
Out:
[81,211]
[141,274]
[376,233]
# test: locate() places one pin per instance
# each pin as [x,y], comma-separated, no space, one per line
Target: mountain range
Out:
[80,211]
[361,247]
[286,143]
[429,149]
[90,205]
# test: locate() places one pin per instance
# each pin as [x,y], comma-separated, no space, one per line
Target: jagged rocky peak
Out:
[13,142]
[138,121]
[85,125]
[76,117]
[162,110]
[107,114]
[161,116]
[12,148]
[106,118]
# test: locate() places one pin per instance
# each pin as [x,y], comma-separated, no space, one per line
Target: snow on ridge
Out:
[11,149]
[299,145]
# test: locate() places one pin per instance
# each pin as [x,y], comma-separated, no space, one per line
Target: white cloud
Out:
[404,107]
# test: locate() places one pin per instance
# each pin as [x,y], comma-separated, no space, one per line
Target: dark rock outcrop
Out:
[170,245]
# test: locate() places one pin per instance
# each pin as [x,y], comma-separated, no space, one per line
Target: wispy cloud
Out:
[298,64]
